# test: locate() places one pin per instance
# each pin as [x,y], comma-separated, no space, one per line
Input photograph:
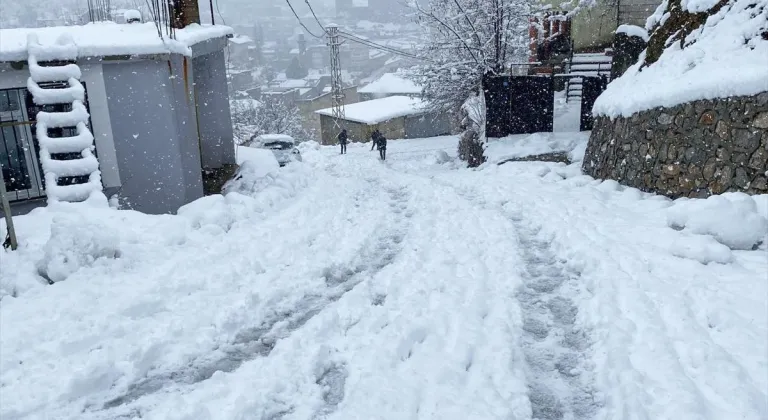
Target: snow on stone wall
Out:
[695,149]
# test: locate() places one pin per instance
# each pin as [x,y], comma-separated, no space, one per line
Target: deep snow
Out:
[348,288]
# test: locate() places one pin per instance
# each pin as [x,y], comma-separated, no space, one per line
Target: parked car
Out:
[281,145]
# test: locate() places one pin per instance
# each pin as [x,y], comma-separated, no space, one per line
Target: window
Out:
[18,158]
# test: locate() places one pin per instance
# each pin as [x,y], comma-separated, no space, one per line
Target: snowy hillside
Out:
[727,56]
[347,288]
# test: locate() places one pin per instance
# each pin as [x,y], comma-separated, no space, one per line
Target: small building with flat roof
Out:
[157,106]
[396,117]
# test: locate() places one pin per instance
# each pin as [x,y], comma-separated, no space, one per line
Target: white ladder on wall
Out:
[42,85]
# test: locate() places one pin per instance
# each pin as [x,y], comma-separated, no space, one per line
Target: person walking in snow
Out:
[343,141]
[382,147]
[375,138]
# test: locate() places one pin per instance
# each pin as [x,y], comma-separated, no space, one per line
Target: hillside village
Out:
[359,209]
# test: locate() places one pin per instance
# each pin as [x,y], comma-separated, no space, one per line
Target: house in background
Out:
[242,51]
[310,120]
[159,112]
[389,84]
[396,117]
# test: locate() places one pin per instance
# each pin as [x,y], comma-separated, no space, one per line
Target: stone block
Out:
[741,179]
[709,169]
[664,119]
[671,170]
[761,120]
[707,117]
[745,140]
[722,129]
[759,159]
[760,183]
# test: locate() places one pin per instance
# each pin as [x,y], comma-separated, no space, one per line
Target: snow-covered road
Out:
[348,288]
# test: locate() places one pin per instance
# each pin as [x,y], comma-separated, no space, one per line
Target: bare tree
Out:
[272,116]
[466,40]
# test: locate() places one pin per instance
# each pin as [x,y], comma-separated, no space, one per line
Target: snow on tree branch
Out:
[465,39]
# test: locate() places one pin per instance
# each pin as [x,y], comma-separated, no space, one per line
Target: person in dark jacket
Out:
[382,147]
[343,140]
[375,138]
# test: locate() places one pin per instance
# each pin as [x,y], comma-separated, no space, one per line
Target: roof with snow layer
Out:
[109,38]
[390,83]
[380,110]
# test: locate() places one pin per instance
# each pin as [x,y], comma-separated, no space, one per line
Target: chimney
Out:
[302,45]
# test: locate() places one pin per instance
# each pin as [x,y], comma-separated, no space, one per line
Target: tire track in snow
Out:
[557,351]
[375,254]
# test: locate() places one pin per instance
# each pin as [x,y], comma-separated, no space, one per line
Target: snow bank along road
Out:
[347,288]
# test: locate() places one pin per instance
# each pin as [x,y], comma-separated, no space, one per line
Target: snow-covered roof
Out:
[726,57]
[294,83]
[380,110]
[108,38]
[391,83]
[241,39]
[359,3]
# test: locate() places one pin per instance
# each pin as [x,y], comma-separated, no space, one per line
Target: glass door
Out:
[18,159]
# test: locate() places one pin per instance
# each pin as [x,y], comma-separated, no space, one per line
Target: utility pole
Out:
[7,211]
[337,90]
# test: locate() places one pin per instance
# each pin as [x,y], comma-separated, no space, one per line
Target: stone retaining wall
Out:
[692,150]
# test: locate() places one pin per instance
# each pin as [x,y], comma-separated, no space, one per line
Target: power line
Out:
[374,45]
[300,22]
[314,15]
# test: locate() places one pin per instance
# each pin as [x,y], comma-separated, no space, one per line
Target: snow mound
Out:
[76,243]
[308,146]
[439,157]
[703,249]
[732,219]
[632,30]
[727,56]
[259,161]
[251,193]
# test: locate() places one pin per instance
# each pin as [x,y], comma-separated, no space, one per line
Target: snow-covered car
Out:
[281,145]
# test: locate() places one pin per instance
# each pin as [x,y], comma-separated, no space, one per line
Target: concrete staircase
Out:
[590,64]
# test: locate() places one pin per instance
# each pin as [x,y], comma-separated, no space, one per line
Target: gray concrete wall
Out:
[428,125]
[183,104]
[144,121]
[216,136]
[357,132]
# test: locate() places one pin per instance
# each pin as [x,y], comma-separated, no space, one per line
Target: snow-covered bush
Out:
[732,219]
[76,242]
